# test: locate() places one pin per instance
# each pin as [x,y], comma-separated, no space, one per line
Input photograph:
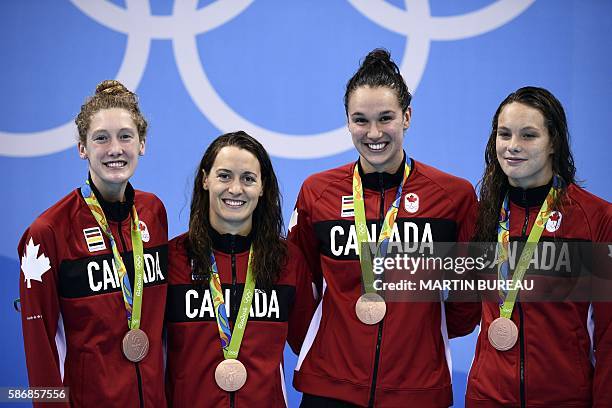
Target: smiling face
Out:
[523,146]
[377,125]
[234,185]
[112,147]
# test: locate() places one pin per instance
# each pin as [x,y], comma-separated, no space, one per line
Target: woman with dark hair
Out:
[93,286]
[361,349]
[233,280]
[538,353]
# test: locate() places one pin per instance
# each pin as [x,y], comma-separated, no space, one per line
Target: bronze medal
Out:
[370,308]
[135,345]
[503,334]
[230,375]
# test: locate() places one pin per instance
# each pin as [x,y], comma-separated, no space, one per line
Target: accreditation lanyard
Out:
[365,259]
[507,300]
[230,342]
[132,301]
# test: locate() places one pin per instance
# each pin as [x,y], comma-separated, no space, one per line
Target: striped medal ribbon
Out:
[135,343]
[370,307]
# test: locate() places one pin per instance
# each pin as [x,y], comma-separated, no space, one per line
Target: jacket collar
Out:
[117,211]
[382,181]
[228,243]
[531,197]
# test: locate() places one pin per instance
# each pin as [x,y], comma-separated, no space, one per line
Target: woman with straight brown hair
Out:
[237,290]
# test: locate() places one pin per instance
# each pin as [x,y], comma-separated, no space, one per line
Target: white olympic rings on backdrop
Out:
[140,26]
[187,21]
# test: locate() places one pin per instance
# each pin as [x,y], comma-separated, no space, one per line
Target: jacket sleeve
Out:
[301,233]
[463,316]
[43,335]
[602,314]
[304,301]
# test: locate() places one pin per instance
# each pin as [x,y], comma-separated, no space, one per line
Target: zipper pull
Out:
[526,222]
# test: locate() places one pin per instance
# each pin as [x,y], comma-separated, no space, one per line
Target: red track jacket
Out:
[404,360]
[551,364]
[72,308]
[277,315]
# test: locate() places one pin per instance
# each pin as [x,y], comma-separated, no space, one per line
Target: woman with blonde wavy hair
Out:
[93,271]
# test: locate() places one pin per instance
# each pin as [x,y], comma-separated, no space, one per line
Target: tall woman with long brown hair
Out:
[362,348]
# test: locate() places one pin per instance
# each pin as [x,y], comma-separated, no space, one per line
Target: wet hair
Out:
[378,70]
[110,94]
[269,249]
[494,183]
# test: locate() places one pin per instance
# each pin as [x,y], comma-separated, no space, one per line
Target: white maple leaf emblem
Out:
[32,265]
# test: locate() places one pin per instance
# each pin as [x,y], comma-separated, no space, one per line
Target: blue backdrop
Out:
[277,68]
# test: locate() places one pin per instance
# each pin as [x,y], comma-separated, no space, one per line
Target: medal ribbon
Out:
[230,342]
[132,301]
[507,300]
[361,228]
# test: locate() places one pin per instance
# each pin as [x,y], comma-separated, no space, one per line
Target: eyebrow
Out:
[387,112]
[230,171]
[102,129]
[523,128]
